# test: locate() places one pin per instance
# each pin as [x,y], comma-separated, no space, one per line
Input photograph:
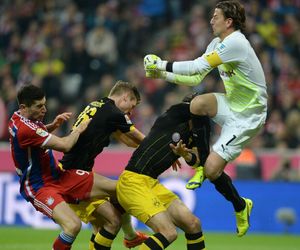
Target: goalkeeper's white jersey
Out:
[240,71]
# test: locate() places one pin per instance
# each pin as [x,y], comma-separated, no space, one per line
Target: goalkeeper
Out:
[241,111]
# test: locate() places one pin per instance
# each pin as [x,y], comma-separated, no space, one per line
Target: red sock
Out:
[60,245]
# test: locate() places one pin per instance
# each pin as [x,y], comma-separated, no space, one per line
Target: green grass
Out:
[13,238]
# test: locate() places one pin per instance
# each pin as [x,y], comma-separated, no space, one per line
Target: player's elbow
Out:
[66,149]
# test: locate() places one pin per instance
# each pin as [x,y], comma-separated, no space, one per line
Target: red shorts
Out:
[74,185]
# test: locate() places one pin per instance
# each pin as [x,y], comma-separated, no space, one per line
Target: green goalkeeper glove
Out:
[156,74]
[153,62]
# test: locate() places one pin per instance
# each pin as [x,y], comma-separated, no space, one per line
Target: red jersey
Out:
[34,165]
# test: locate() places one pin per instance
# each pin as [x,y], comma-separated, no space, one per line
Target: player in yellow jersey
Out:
[241,111]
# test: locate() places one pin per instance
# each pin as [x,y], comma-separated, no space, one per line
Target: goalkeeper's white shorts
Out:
[237,128]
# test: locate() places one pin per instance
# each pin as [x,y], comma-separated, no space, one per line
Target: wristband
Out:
[193,161]
[169,67]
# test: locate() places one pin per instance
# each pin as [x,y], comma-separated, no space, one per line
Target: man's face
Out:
[219,24]
[128,104]
[36,111]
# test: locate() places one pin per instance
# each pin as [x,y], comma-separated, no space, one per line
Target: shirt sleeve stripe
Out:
[47,139]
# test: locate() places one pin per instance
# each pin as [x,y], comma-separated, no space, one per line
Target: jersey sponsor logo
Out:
[227,74]
[41,132]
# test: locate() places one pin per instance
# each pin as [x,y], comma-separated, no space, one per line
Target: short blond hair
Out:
[120,87]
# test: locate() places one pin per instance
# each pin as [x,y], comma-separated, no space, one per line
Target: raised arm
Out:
[188,73]
[58,121]
[64,144]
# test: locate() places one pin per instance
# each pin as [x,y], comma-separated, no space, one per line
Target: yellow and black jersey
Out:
[154,155]
[106,119]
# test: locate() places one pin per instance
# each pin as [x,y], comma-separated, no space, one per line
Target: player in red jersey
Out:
[42,182]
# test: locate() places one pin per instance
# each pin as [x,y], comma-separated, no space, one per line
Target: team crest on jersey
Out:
[41,132]
[50,201]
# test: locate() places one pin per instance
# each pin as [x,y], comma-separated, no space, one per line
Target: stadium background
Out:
[76,50]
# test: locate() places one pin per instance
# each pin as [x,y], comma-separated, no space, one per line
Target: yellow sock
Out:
[103,239]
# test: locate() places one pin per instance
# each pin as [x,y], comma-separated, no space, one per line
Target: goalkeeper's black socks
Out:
[201,136]
[155,242]
[225,187]
[103,240]
[195,241]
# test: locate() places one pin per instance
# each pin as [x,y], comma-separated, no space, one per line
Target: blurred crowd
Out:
[77,49]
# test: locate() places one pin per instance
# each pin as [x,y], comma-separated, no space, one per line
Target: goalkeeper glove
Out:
[156,74]
[153,62]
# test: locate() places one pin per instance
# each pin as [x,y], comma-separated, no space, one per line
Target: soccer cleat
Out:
[197,180]
[243,218]
[138,240]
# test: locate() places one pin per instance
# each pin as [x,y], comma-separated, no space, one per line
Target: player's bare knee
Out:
[211,172]
[72,226]
[211,175]
[194,225]
[113,225]
[198,106]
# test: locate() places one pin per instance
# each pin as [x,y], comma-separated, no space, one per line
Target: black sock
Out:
[195,241]
[92,237]
[225,187]
[201,136]
[92,240]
